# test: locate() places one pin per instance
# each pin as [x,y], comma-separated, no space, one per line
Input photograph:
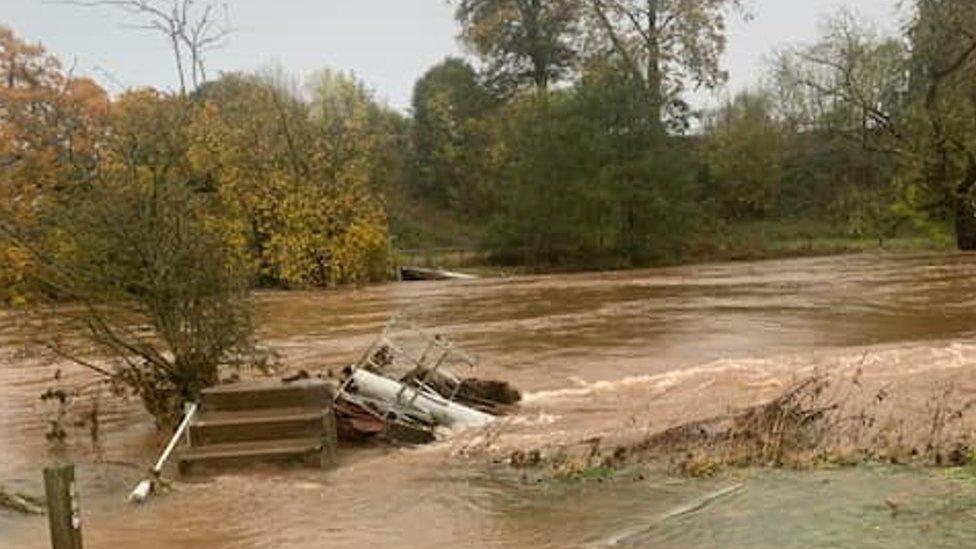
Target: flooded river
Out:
[597,355]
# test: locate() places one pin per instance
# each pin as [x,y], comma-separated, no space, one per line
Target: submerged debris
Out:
[20,503]
[405,386]
[493,397]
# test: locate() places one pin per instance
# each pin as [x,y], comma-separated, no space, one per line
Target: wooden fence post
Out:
[330,436]
[63,507]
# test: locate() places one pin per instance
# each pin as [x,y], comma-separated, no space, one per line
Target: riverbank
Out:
[752,241]
[801,237]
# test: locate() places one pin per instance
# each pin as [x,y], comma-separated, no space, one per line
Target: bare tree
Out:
[852,83]
[665,44]
[910,96]
[192,27]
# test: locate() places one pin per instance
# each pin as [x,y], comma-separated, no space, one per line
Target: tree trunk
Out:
[965,224]
[655,81]
[531,13]
[966,212]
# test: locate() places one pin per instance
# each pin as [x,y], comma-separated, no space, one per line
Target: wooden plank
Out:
[262,448]
[248,417]
[214,457]
[256,425]
[63,507]
[266,395]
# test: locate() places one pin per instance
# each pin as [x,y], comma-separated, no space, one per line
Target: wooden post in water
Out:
[330,436]
[63,507]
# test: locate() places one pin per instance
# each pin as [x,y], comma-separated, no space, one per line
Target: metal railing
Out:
[142,490]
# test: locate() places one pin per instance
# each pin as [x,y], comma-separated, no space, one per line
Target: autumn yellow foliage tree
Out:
[50,125]
[139,221]
[134,262]
[297,175]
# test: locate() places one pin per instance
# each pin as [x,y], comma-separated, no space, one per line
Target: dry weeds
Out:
[817,421]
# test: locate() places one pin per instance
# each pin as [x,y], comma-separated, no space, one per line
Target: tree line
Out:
[571,142]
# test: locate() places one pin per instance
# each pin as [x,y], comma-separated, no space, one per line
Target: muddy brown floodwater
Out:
[597,354]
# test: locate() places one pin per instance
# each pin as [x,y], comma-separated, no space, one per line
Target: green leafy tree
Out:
[745,147]
[913,105]
[524,42]
[453,136]
[940,134]
[588,180]
[666,45]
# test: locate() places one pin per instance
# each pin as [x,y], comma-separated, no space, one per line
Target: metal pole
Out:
[141,491]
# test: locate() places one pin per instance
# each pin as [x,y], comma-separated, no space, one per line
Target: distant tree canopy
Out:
[564,137]
[745,148]
[531,43]
[588,180]
[865,132]
[905,98]
[452,136]
[50,129]
[667,45]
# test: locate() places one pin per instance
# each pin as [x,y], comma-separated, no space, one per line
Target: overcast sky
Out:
[387,43]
